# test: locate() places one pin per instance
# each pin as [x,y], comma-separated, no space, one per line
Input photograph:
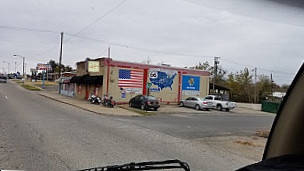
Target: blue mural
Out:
[191,83]
[162,78]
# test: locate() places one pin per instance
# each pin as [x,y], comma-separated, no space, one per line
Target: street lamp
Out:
[7,67]
[23,63]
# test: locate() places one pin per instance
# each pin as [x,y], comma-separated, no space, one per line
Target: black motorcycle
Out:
[108,102]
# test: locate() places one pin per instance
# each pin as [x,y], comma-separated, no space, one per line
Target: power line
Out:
[27,29]
[98,19]
[139,48]
[252,66]
[179,54]
[86,27]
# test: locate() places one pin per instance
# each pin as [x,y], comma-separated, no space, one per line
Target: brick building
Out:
[124,80]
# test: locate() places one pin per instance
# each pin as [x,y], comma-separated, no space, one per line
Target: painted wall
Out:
[122,94]
[68,89]
[165,84]
[203,86]
[80,70]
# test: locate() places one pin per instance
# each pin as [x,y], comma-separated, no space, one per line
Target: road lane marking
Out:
[5,97]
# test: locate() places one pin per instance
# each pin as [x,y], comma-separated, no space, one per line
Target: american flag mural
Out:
[130,78]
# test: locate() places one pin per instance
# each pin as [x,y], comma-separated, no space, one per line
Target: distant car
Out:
[11,77]
[196,102]
[144,102]
[218,103]
[3,79]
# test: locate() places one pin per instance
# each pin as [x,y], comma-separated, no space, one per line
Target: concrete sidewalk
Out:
[85,105]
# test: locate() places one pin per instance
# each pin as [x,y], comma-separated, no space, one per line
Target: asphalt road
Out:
[40,134]
[193,126]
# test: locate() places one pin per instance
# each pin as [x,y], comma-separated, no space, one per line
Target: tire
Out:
[219,107]
[181,104]
[155,109]
[142,107]
[197,107]
[227,110]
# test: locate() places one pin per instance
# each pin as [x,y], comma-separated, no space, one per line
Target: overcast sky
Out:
[243,33]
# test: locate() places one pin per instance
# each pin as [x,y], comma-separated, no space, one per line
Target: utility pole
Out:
[15,67]
[255,85]
[271,81]
[47,75]
[23,67]
[7,67]
[216,62]
[60,57]
[24,73]
[109,52]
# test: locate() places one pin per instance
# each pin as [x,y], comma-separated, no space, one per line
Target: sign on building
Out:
[162,78]
[45,67]
[93,66]
[191,85]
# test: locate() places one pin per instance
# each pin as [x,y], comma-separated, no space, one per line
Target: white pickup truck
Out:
[218,103]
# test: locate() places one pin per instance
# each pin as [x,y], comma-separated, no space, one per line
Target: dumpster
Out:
[269,106]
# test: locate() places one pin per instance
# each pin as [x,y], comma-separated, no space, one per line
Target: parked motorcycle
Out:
[108,102]
[94,99]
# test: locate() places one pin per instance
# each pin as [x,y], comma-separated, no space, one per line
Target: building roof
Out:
[145,66]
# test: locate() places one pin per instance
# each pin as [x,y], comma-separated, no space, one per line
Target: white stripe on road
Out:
[5,97]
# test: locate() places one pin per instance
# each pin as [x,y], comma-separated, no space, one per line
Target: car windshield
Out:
[91,83]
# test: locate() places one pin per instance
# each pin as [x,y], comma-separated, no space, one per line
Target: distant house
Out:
[55,76]
[65,86]
[278,94]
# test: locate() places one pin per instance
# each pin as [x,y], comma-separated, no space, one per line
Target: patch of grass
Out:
[142,112]
[262,133]
[18,81]
[249,143]
[31,88]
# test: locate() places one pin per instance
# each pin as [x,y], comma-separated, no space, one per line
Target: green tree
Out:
[246,87]
[220,79]
[264,87]
[55,67]
[234,87]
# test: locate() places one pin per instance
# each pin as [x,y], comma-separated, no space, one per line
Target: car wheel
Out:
[197,107]
[181,104]
[155,109]
[142,107]
[219,107]
[227,110]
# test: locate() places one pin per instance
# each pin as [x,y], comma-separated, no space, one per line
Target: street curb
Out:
[84,108]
